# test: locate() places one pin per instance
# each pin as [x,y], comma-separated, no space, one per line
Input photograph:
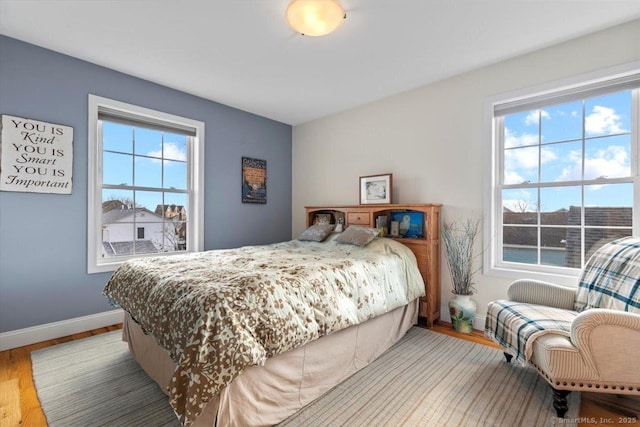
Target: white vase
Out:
[462,310]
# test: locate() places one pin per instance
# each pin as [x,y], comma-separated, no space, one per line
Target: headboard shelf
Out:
[425,245]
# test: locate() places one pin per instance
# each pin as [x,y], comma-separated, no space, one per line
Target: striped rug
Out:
[427,379]
[95,382]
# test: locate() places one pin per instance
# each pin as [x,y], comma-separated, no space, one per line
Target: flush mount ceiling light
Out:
[315,17]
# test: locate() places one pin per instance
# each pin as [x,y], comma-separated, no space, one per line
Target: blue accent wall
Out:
[43,237]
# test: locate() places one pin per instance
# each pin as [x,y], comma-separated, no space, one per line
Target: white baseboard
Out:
[48,331]
[478,321]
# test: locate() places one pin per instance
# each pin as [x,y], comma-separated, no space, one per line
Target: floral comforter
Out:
[218,312]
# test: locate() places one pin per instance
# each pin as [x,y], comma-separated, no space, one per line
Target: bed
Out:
[248,336]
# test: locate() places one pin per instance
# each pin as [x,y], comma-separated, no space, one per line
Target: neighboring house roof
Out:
[112,204]
[568,237]
[126,248]
[552,237]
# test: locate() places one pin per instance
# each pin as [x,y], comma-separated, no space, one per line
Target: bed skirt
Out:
[266,395]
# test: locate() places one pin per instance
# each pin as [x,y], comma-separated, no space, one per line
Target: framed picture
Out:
[376,189]
[254,180]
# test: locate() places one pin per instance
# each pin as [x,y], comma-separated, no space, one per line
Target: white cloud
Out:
[533,118]
[603,121]
[512,139]
[171,151]
[511,177]
[524,161]
[610,162]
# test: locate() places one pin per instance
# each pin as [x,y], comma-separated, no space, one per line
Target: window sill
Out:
[564,279]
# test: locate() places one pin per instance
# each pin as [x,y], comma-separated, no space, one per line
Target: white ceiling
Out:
[243,54]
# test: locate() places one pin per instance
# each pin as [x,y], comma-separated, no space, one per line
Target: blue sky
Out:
[546,145]
[159,158]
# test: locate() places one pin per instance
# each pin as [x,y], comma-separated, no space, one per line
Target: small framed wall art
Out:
[376,189]
[254,180]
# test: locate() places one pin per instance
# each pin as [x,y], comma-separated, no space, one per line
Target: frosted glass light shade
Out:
[315,17]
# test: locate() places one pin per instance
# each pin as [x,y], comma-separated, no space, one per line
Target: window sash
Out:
[627,78]
[103,109]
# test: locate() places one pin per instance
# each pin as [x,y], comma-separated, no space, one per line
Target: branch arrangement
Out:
[459,240]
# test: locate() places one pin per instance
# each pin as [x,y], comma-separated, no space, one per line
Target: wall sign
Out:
[254,180]
[35,156]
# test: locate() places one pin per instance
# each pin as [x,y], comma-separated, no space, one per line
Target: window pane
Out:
[148,172]
[608,115]
[608,205]
[153,235]
[596,237]
[175,175]
[608,157]
[520,244]
[115,200]
[117,223]
[521,165]
[553,246]
[117,169]
[574,248]
[175,206]
[521,129]
[117,137]
[180,237]
[557,205]
[561,122]
[148,142]
[175,147]
[519,206]
[561,162]
[113,248]
[149,200]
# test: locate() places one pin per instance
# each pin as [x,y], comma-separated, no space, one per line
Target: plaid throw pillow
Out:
[611,278]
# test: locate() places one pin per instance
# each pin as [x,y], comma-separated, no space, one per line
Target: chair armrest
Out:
[542,293]
[609,342]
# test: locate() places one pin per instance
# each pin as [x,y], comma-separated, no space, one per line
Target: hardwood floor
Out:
[15,372]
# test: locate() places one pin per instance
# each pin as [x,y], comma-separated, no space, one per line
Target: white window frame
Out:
[195,178]
[492,232]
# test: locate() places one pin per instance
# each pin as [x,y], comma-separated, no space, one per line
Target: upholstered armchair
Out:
[578,339]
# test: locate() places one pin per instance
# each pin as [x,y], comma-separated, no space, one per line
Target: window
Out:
[145,183]
[564,181]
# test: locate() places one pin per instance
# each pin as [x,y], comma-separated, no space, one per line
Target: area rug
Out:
[95,382]
[426,379]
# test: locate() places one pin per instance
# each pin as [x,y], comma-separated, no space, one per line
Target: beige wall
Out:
[431,138]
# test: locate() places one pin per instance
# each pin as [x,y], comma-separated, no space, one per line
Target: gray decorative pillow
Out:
[359,236]
[316,233]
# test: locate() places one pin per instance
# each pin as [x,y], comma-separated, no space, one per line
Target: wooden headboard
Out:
[425,248]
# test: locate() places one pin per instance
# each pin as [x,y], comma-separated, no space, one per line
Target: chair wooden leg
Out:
[560,401]
[507,356]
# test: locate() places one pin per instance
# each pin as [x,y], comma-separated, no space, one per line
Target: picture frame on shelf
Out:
[376,189]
